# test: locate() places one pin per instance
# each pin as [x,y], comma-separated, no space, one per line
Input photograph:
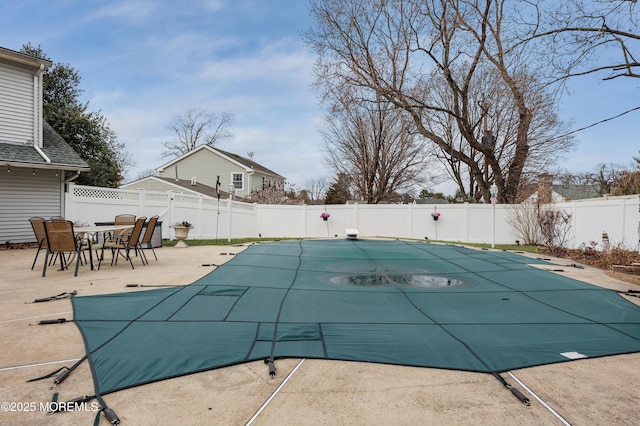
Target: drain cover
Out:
[397,280]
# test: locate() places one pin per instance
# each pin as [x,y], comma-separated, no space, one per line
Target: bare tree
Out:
[496,119]
[195,127]
[613,179]
[276,194]
[373,145]
[146,173]
[592,37]
[448,64]
[523,218]
[316,189]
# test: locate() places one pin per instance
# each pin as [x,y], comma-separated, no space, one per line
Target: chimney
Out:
[545,186]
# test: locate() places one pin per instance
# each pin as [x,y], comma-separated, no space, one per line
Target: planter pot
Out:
[182,232]
[325,218]
[435,217]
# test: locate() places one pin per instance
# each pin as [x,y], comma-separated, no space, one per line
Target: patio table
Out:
[90,232]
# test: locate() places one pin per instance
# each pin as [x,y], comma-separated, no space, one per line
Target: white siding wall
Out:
[206,166]
[16,104]
[24,195]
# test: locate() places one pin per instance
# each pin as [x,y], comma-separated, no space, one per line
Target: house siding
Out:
[16,104]
[45,191]
[156,185]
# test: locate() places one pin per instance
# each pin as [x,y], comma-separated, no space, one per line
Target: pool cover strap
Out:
[62,376]
[65,295]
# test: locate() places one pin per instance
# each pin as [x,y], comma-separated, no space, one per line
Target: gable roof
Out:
[234,158]
[62,156]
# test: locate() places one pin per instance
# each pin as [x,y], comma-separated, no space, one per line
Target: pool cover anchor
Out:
[111,416]
[151,285]
[519,395]
[272,366]
[513,390]
[65,295]
[51,321]
[633,293]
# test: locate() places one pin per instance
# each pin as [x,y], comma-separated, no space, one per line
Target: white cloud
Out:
[130,11]
[280,63]
[213,5]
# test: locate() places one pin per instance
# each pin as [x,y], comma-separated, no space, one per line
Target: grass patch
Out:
[222,241]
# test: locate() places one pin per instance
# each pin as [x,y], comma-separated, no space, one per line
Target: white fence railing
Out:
[618,216]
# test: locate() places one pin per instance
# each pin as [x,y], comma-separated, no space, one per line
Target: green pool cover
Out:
[394,302]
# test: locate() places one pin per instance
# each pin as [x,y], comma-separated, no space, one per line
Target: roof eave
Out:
[22,58]
[49,166]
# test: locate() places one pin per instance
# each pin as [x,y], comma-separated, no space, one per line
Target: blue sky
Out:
[144,61]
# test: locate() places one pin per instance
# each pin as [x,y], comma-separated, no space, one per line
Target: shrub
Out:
[555,228]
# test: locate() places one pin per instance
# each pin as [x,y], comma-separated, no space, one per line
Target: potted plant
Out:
[325,216]
[435,215]
[181,230]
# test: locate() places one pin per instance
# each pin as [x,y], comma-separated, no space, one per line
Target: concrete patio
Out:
[603,391]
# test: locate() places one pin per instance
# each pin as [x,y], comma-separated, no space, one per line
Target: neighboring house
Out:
[204,165]
[548,192]
[33,157]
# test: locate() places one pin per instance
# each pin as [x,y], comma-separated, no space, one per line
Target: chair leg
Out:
[46,261]
[150,247]
[129,257]
[101,257]
[36,258]
[78,260]
[64,261]
[143,256]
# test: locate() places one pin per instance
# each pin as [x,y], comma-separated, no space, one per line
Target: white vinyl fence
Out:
[211,218]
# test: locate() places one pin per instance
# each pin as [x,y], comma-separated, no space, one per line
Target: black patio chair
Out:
[145,243]
[126,245]
[37,224]
[62,240]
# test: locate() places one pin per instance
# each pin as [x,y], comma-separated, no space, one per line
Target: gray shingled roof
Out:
[62,156]
[249,163]
[577,192]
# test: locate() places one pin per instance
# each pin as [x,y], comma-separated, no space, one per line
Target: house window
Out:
[237,181]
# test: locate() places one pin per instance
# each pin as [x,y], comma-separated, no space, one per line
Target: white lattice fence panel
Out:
[104,193]
[156,197]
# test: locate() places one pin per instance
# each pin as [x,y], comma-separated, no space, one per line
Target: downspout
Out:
[42,154]
[250,173]
[37,114]
[72,178]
